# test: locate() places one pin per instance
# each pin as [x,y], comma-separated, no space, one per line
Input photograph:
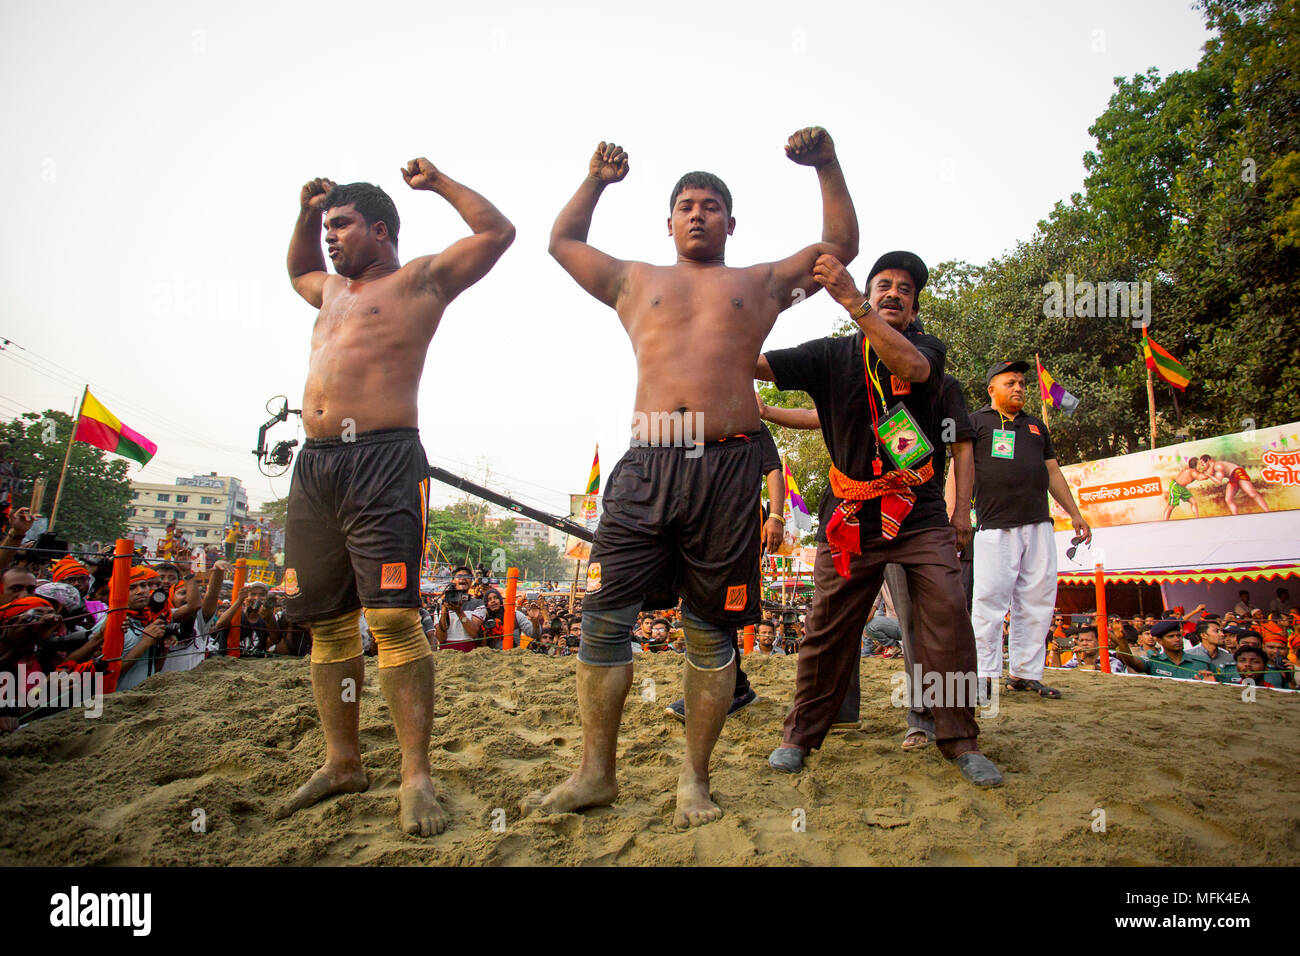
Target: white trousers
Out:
[1015,568]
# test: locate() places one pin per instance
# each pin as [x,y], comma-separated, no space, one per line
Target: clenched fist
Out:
[811,146]
[608,164]
[314,192]
[830,273]
[420,174]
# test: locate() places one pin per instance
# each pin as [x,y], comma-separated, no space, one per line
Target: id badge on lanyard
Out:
[1004,443]
[902,437]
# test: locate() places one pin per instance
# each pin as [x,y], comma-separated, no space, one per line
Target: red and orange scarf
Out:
[896,500]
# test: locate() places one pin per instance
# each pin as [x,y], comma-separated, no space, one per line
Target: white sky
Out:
[154,153]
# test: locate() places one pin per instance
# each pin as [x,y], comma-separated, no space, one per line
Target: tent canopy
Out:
[1192,575]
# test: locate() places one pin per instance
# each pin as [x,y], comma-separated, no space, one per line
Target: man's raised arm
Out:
[307,271]
[805,418]
[601,275]
[467,260]
[813,147]
[900,356]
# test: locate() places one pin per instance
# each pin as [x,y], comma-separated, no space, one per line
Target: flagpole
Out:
[1041,400]
[54,512]
[1177,412]
[1151,406]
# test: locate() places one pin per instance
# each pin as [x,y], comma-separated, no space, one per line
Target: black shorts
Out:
[683,526]
[354,535]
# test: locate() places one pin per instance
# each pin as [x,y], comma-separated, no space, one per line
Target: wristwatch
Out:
[861,310]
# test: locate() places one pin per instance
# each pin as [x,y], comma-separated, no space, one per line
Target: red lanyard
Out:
[873,384]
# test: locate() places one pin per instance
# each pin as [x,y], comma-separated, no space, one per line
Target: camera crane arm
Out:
[282,454]
[478,491]
[281,416]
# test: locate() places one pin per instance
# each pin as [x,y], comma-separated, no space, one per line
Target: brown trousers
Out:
[944,644]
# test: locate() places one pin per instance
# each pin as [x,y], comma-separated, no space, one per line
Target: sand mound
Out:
[1185,775]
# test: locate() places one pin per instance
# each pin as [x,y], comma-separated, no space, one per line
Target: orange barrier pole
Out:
[749,638]
[233,635]
[512,589]
[1103,620]
[119,592]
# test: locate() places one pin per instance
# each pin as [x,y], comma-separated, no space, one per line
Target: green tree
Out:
[539,562]
[277,510]
[1194,187]
[96,500]
[457,536]
[803,449]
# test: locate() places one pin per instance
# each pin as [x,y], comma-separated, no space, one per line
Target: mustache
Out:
[889,302]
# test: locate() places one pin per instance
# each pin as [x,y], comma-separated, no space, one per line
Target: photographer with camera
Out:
[492,620]
[194,614]
[25,624]
[250,604]
[144,629]
[458,629]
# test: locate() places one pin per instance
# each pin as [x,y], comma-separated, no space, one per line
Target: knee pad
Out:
[398,635]
[607,636]
[708,646]
[336,639]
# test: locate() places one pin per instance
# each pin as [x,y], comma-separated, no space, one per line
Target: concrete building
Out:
[201,505]
[529,532]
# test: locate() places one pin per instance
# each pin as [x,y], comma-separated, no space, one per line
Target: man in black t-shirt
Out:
[1015,547]
[956,434]
[881,507]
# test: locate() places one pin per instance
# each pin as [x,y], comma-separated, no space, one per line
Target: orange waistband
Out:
[850,489]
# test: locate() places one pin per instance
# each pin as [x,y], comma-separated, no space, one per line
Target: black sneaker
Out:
[738,703]
[678,707]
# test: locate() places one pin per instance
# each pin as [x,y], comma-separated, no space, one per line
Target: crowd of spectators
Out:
[180,611]
[1245,643]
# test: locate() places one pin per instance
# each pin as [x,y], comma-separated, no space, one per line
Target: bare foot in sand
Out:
[694,808]
[420,812]
[576,793]
[325,782]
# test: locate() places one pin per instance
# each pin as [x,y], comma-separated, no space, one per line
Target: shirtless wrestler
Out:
[358,501]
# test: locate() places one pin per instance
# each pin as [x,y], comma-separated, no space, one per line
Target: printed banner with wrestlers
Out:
[584,510]
[1250,472]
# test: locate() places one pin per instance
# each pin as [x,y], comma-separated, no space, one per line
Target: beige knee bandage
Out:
[336,639]
[398,634]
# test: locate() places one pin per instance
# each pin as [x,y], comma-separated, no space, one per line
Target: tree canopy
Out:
[1193,186]
[96,499]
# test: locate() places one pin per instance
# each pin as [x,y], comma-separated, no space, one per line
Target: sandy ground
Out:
[1185,774]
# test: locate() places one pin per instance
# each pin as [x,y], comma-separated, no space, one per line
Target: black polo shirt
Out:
[1010,492]
[952,408]
[831,371]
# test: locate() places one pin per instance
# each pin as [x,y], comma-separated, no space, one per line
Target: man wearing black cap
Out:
[874,393]
[1169,661]
[1015,548]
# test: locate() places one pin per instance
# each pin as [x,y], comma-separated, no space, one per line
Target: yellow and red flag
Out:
[99,427]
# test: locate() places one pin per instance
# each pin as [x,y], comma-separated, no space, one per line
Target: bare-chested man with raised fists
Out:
[681,507]
[359,499]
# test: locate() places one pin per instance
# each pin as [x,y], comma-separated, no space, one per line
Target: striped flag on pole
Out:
[97,426]
[593,481]
[1052,392]
[796,509]
[1164,364]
